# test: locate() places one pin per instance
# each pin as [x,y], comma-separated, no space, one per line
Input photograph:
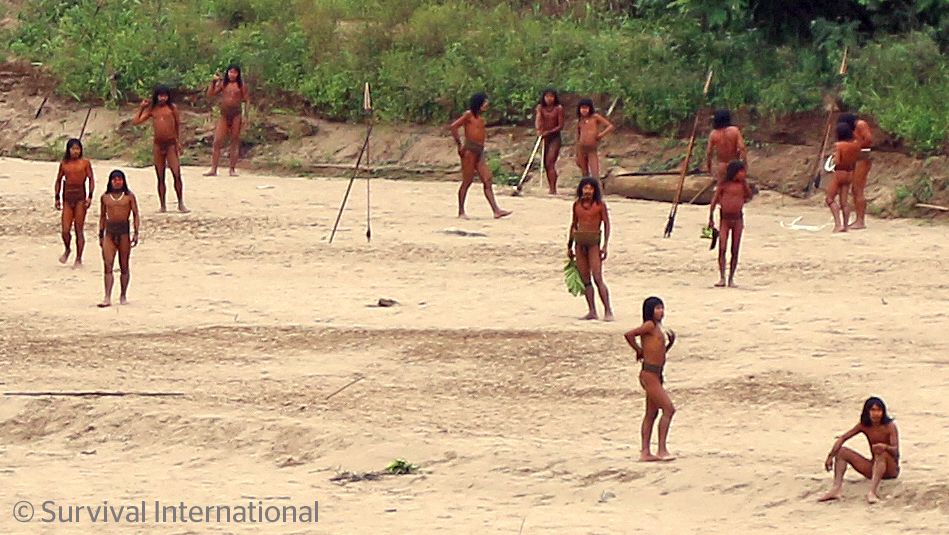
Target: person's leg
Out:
[884,467]
[125,251]
[649,419]
[724,230]
[220,132]
[858,188]
[737,228]
[831,200]
[79,223]
[235,151]
[468,160]
[844,457]
[158,156]
[583,162]
[108,263]
[175,165]
[488,183]
[551,154]
[583,266]
[593,160]
[596,270]
[67,221]
[844,203]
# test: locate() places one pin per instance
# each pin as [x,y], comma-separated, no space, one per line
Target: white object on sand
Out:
[266,186]
[797,226]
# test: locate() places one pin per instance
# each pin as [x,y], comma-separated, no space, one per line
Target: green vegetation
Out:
[425,57]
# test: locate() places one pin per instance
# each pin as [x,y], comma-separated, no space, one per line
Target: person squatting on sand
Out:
[234,92]
[884,441]
[117,203]
[472,154]
[731,195]
[71,197]
[166,148]
[548,120]
[589,212]
[652,353]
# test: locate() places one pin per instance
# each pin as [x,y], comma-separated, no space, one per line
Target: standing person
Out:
[472,154]
[652,353]
[71,182]
[731,195]
[589,136]
[233,93]
[864,137]
[846,154]
[117,204]
[548,119]
[884,441]
[166,147]
[589,212]
[725,144]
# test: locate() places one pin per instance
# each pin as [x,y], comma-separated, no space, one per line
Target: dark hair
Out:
[721,119]
[160,90]
[649,308]
[236,67]
[869,404]
[475,103]
[849,118]
[733,167]
[844,132]
[69,145]
[597,194]
[551,91]
[585,102]
[125,182]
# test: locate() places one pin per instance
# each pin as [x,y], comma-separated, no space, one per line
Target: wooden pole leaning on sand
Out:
[814,181]
[367,107]
[685,164]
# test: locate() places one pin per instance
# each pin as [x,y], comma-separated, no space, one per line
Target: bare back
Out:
[475,130]
[727,144]
[846,154]
[863,134]
[732,195]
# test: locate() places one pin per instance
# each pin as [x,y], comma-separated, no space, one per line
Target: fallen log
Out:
[660,187]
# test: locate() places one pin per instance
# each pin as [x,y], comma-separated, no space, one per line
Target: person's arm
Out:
[631,336]
[829,463]
[672,339]
[92,182]
[537,121]
[135,220]
[58,186]
[606,232]
[245,96]
[215,87]
[893,448]
[609,126]
[708,153]
[560,121]
[748,192]
[101,219]
[573,227]
[144,112]
[742,150]
[716,199]
[459,122]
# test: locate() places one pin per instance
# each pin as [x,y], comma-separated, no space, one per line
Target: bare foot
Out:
[840,229]
[65,257]
[647,457]
[104,304]
[731,284]
[608,316]
[872,498]
[857,226]
[590,316]
[210,173]
[77,264]
[665,456]
[552,192]
[123,300]
[232,172]
[834,494]
[720,284]
[502,213]
[163,209]
[182,209]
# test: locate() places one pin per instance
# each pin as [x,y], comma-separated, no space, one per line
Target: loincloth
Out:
[550,138]
[474,148]
[73,195]
[117,229]
[652,368]
[586,238]
[586,149]
[732,218]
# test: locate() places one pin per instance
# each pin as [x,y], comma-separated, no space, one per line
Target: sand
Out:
[522,418]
